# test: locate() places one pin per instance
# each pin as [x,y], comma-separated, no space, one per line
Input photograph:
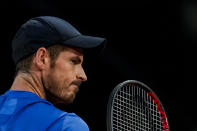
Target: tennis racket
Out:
[133,106]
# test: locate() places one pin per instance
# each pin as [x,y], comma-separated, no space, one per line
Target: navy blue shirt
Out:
[25,111]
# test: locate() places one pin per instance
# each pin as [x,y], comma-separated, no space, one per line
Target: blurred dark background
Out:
[150,41]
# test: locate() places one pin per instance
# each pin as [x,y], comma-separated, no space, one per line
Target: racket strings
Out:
[135,103]
[134,110]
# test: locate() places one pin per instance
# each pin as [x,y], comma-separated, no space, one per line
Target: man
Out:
[48,53]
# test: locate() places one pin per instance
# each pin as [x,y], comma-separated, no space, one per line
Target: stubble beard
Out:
[60,94]
[57,92]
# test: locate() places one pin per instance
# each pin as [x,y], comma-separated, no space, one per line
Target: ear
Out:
[42,59]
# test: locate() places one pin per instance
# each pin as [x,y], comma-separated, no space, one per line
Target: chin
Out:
[65,98]
[68,100]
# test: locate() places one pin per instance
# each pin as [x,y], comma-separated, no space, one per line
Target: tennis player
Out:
[48,53]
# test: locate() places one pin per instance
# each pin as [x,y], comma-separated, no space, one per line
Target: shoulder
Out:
[36,116]
[32,113]
[53,118]
[43,111]
[70,122]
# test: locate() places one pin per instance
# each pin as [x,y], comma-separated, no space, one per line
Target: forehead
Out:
[73,51]
[78,51]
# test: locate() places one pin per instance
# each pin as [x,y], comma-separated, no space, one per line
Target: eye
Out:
[74,61]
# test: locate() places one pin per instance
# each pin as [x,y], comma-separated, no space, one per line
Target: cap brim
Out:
[87,42]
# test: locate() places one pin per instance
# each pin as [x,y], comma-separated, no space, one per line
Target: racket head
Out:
[132,105]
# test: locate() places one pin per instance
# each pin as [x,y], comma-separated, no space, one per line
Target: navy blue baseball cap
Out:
[45,31]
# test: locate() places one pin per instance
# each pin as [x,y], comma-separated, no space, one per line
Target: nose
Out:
[82,76]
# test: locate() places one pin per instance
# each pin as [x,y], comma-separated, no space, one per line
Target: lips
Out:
[77,83]
[74,86]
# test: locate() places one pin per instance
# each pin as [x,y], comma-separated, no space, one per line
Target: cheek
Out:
[60,85]
[64,73]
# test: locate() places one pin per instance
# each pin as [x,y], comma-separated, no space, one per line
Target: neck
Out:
[29,82]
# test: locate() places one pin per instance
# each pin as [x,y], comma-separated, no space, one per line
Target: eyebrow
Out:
[79,60]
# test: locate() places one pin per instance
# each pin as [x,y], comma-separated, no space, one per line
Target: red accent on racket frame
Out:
[159,109]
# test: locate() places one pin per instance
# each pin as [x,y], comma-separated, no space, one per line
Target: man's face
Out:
[62,81]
